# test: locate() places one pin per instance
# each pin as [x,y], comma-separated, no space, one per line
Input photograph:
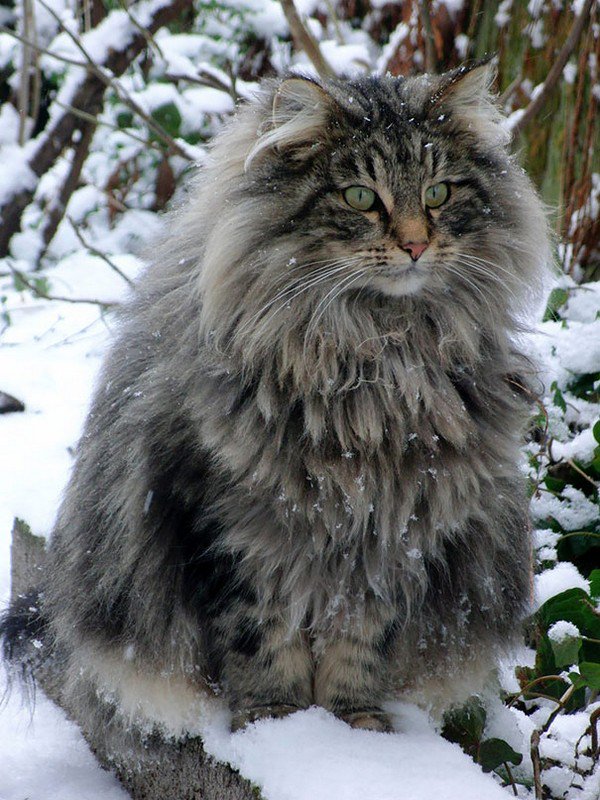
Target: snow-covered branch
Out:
[112,46]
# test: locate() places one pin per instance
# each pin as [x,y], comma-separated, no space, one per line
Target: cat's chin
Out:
[400,284]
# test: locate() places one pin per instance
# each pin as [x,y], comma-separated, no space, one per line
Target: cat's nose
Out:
[415,249]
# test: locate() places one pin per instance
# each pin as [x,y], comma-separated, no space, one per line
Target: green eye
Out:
[436,195]
[360,198]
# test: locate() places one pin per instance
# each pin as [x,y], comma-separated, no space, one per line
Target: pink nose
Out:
[415,249]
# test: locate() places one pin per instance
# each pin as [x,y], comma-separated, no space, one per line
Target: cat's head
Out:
[389,187]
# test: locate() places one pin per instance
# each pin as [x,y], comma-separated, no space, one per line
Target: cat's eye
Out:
[360,197]
[436,195]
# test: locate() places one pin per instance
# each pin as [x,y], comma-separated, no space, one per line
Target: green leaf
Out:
[558,297]
[566,651]
[169,118]
[494,752]
[464,725]
[588,676]
[559,400]
[594,579]
[596,431]
[19,283]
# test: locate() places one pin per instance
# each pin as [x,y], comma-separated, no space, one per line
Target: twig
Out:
[336,22]
[532,683]
[47,296]
[536,762]
[505,96]
[577,469]
[304,40]
[594,718]
[510,778]
[536,737]
[146,34]
[430,57]
[40,49]
[555,71]
[95,252]
[106,124]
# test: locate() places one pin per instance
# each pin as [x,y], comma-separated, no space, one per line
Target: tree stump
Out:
[152,769]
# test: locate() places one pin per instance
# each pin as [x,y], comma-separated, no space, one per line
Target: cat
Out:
[300,480]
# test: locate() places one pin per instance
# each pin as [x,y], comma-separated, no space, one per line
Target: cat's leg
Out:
[351,677]
[266,670]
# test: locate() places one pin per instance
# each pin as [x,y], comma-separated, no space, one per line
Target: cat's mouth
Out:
[399,279]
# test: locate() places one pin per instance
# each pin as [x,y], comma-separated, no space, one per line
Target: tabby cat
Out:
[299,482]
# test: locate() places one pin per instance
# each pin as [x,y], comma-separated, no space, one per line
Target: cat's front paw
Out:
[370,719]
[245,716]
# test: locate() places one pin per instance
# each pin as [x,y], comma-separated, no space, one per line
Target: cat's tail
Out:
[24,641]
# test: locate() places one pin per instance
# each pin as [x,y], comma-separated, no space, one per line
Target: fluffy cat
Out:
[299,480]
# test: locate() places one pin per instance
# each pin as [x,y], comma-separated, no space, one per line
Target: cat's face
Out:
[407,204]
[332,202]
[404,185]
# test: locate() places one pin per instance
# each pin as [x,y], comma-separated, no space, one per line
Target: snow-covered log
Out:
[164,770]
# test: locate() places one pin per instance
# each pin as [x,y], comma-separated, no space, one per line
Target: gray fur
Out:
[299,479]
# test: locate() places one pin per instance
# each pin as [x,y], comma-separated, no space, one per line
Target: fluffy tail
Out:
[23,639]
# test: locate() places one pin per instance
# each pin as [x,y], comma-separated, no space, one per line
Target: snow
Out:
[311,754]
[563,630]
[556,580]
[45,757]
[581,447]
[573,510]
[15,173]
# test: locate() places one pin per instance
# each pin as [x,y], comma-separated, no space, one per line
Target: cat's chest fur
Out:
[366,450]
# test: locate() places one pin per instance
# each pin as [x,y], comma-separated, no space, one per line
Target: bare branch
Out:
[47,296]
[538,102]
[430,57]
[151,41]
[106,124]
[95,252]
[57,56]
[304,40]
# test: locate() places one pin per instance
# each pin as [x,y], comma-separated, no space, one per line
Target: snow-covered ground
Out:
[50,354]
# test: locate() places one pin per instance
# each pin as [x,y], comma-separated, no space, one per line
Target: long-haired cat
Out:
[299,482]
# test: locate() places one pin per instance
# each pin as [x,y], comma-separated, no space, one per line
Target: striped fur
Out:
[299,479]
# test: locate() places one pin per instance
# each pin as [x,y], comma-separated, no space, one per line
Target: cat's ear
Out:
[299,112]
[466,93]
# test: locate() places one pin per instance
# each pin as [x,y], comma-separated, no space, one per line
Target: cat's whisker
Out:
[476,268]
[299,289]
[472,284]
[341,286]
[493,265]
[329,268]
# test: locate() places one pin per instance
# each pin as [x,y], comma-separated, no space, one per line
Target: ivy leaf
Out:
[169,118]
[464,725]
[566,651]
[558,297]
[494,752]
[588,676]
[594,579]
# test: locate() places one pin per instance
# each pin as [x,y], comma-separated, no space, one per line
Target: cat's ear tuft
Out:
[300,109]
[466,93]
